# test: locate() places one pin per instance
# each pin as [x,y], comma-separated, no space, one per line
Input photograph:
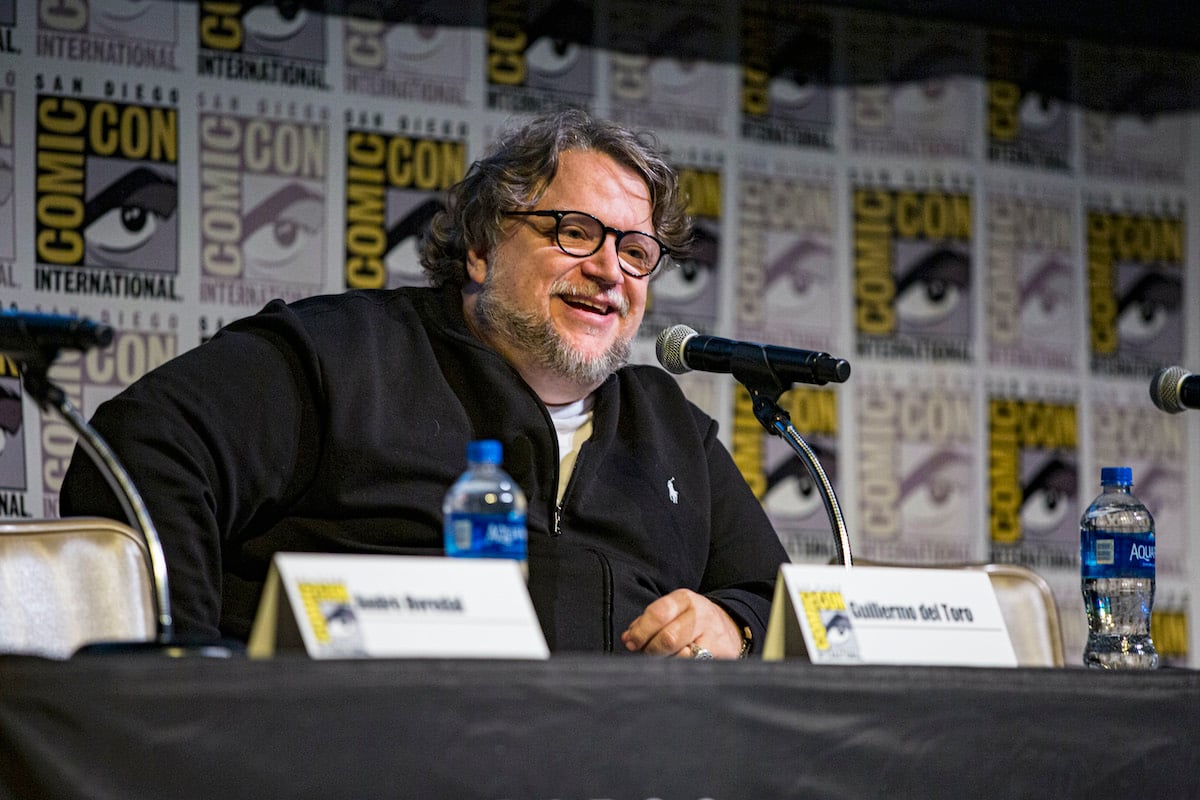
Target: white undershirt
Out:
[573,424]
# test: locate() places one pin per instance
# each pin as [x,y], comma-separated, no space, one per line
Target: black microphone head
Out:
[669,348]
[1164,388]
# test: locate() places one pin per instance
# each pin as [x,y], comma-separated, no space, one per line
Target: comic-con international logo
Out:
[264,42]
[1033,482]
[394,185]
[262,207]
[7,185]
[786,58]
[1135,291]
[133,33]
[539,56]
[831,627]
[912,265]
[13,481]
[105,197]
[409,49]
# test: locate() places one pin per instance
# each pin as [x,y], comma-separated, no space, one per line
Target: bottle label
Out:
[1108,554]
[487,536]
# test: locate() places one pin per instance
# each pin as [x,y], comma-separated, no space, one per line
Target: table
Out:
[133,726]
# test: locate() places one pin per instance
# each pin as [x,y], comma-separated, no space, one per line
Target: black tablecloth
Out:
[588,727]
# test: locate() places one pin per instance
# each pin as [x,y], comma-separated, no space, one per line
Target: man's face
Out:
[564,322]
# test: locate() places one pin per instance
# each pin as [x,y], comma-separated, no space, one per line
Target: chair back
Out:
[1026,603]
[1030,614]
[69,582]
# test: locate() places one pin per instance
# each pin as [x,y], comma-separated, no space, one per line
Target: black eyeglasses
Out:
[580,235]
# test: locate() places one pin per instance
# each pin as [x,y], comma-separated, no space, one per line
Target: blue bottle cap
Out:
[1118,475]
[485,451]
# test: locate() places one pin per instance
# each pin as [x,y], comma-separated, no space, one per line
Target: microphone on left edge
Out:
[28,331]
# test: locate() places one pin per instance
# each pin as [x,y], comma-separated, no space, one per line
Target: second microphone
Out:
[680,349]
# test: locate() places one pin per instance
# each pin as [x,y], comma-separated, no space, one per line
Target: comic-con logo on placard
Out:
[130,33]
[394,185]
[912,272]
[106,195]
[13,480]
[262,207]
[263,42]
[1135,290]
[408,49]
[539,55]
[1033,482]
[831,626]
[330,612]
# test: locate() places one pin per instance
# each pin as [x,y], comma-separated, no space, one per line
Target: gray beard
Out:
[538,339]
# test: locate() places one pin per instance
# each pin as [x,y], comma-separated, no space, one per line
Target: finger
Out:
[656,617]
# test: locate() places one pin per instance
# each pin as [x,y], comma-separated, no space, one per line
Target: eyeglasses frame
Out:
[557,215]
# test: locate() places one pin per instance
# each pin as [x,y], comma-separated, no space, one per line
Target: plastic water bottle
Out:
[484,510]
[1116,546]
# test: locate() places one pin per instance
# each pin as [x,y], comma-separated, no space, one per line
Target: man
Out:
[337,423]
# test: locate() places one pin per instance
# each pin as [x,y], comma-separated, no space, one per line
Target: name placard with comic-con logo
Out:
[380,606]
[887,615]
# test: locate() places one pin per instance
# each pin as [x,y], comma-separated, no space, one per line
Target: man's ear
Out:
[476,265]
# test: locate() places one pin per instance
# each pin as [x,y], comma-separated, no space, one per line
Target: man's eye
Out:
[573,233]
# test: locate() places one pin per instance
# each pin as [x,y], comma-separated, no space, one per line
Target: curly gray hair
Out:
[517,171]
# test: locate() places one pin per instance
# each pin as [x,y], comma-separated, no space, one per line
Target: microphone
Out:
[1174,388]
[680,349]
[33,333]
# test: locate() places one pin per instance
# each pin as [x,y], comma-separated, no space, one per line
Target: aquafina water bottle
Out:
[484,511]
[1116,546]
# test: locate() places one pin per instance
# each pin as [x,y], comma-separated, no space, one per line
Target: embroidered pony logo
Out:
[672,493]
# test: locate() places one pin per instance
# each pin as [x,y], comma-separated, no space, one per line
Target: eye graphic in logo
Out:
[694,277]
[798,279]
[1046,302]
[283,236]
[935,494]
[130,223]
[133,19]
[1148,315]
[839,632]
[931,295]
[791,490]
[557,39]
[284,28]
[1048,498]
[404,238]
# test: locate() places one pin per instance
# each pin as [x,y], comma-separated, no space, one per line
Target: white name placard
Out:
[376,606]
[887,615]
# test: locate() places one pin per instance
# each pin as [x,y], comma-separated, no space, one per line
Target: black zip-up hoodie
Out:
[337,423]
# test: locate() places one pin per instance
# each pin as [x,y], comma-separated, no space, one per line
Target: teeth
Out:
[580,301]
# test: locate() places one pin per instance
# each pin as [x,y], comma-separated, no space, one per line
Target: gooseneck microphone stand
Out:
[34,358]
[751,368]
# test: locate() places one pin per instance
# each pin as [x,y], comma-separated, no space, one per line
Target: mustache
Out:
[590,290]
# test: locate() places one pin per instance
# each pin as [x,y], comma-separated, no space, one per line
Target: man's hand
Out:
[672,624]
